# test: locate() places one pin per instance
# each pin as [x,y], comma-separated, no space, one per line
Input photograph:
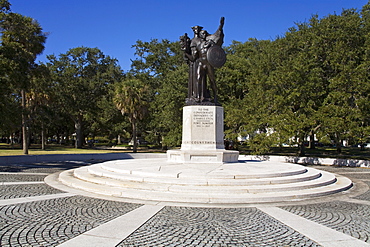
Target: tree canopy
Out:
[81,78]
[313,81]
[310,84]
[22,39]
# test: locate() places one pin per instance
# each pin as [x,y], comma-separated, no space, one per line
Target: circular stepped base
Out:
[244,182]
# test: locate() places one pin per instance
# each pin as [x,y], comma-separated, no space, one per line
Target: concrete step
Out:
[324,180]
[163,169]
[202,179]
[314,179]
[216,197]
[156,179]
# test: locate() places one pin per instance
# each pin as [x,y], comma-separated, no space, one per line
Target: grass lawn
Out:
[320,152]
[6,150]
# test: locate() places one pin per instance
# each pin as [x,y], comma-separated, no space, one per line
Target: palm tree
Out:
[22,40]
[131,99]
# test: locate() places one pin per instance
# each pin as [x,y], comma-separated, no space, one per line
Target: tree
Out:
[315,77]
[313,80]
[247,92]
[39,101]
[161,66]
[166,107]
[81,77]
[22,40]
[343,38]
[131,98]
[5,91]
[236,88]
[109,121]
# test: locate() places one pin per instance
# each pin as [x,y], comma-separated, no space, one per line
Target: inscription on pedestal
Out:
[203,117]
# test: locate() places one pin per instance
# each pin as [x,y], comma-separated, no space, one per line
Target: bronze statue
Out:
[203,53]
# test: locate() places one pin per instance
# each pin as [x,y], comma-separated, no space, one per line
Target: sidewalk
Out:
[35,214]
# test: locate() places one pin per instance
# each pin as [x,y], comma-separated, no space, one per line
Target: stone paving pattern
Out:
[51,222]
[340,169]
[350,218]
[21,178]
[42,167]
[22,190]
[181,226]
[366,195]
[362,176]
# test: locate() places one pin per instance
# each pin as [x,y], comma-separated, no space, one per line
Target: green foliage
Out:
[109,121]
[22,40]
[260,143]
[131,98]
[313,80]
[166,76]
[81,79]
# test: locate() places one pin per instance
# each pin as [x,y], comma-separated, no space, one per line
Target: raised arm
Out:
[222,22]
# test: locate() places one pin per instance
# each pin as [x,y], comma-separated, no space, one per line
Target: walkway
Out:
[35,214]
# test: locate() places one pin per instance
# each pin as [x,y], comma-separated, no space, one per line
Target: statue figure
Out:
[203,53]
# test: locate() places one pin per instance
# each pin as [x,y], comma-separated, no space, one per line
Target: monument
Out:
[202,172]
[203,115]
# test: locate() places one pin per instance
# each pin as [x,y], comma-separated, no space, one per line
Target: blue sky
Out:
[115,25]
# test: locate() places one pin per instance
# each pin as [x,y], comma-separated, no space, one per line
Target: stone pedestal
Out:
[203,137]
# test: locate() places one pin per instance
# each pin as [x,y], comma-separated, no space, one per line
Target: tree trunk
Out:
[339,149]
[12,141]
[78,126]
[19,140]
[134,135]
[24,126]
[338,144]
[43,147]
[311,144]
[302,151]
[67,139]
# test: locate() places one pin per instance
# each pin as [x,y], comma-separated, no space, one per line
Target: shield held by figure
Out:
[216,56]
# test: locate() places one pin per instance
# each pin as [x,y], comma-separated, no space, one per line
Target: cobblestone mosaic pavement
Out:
[366,195]
[21,178]
[54,221]
[50,222]
[365,176]
[42,167]
[362,174]
[350,218]
[351,172]
[21,190]
[340,169]
[179,226]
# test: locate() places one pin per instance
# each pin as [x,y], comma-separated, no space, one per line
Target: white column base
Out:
[202,137]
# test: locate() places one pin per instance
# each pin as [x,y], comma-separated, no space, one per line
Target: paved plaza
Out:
[33,213]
